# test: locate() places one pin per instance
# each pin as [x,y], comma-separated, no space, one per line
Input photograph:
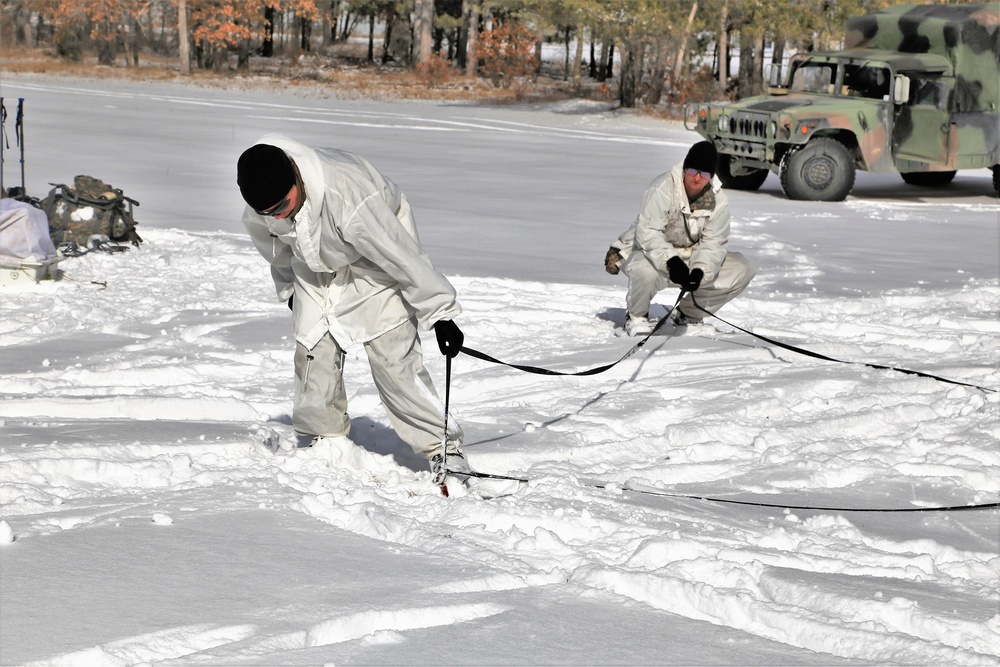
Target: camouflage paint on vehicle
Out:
[969,38]
[916,90]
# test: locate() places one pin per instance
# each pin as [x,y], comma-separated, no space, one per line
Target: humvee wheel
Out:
[751,181]
[928,178]
[996,178]
[822,170]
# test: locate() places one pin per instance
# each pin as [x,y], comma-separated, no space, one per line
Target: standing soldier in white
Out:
[679,239]
[344,254]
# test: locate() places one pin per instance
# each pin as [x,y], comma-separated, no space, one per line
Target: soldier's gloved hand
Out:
[611,261]
[677,270]
[694,280]
[449,337]
[291,299]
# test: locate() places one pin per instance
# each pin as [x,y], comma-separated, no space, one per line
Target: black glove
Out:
[694,280]
[450,338]
[677,270]
[290,300]
[611,261]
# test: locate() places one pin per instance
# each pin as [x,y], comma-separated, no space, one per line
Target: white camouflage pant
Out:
[404,386]
[645,280]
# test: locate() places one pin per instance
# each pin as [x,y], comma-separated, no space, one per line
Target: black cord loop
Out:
[732,501]
[777,343]
[752,503]
[590,371]
[817,355]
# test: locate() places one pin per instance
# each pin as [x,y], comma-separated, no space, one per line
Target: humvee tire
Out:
[928,178]
[822,170]
[751,181]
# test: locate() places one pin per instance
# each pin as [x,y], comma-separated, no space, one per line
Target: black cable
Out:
[733,501]
[591,371]
[600,369]
[817,355]
[791,348]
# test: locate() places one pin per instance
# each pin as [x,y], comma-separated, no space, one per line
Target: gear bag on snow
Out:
[91,207]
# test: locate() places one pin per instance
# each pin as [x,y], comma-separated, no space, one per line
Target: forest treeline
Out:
[647,48]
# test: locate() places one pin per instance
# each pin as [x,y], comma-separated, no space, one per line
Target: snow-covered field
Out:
[143,522]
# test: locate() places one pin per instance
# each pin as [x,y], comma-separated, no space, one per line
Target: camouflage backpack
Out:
[91,207]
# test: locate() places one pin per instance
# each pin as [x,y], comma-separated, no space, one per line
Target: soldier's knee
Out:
[743,267]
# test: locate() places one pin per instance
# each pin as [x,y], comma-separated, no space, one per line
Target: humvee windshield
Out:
[814,78]
[865,80]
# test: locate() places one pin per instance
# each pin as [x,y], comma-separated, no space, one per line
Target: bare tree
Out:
[682,49]
[182,37]
[723,45]
[423,29]
[471,11]
[576,73]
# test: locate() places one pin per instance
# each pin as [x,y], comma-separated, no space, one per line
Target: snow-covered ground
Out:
[143,522]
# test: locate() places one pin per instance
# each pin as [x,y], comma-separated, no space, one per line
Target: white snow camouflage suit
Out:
[667,227]
[353,261]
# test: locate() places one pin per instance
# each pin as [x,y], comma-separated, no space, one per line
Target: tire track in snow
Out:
[158,646]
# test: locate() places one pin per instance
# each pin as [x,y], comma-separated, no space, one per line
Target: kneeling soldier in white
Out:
[679,239]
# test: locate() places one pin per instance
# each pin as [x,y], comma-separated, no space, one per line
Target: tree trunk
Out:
[602,61]
[630,76]
[267,48]
[106,49]
[122,34]
[682,49]
[462,38]
[566,40]
[401,42]
[243,54]
[387,38]
[609,72]
[575,71]
[423,26]
[326,13]
[658,75]
[472,39]
[183,45]
[724,49]
[131,40]
[744,83]
[371,38]
[305,26]
[344,30]
[758,71]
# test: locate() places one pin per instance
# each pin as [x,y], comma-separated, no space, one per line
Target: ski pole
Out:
[444,438]
[3,140]
[19,133]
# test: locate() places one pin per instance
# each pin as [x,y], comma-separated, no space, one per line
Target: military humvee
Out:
[916,90]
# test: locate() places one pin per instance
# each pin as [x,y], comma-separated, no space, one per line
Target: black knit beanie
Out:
[265,175]
[703,157]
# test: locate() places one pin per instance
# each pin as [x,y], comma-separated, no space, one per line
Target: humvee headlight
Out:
[723,123]
[773,128]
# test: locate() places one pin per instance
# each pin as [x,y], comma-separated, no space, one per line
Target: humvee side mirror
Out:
[901,89]
[773,74]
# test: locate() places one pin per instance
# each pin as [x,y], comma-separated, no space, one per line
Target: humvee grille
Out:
[749,125]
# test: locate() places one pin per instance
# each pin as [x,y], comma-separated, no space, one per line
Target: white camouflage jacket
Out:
[351,254]
[667,227]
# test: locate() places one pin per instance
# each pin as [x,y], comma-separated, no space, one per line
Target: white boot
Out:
[638,326]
